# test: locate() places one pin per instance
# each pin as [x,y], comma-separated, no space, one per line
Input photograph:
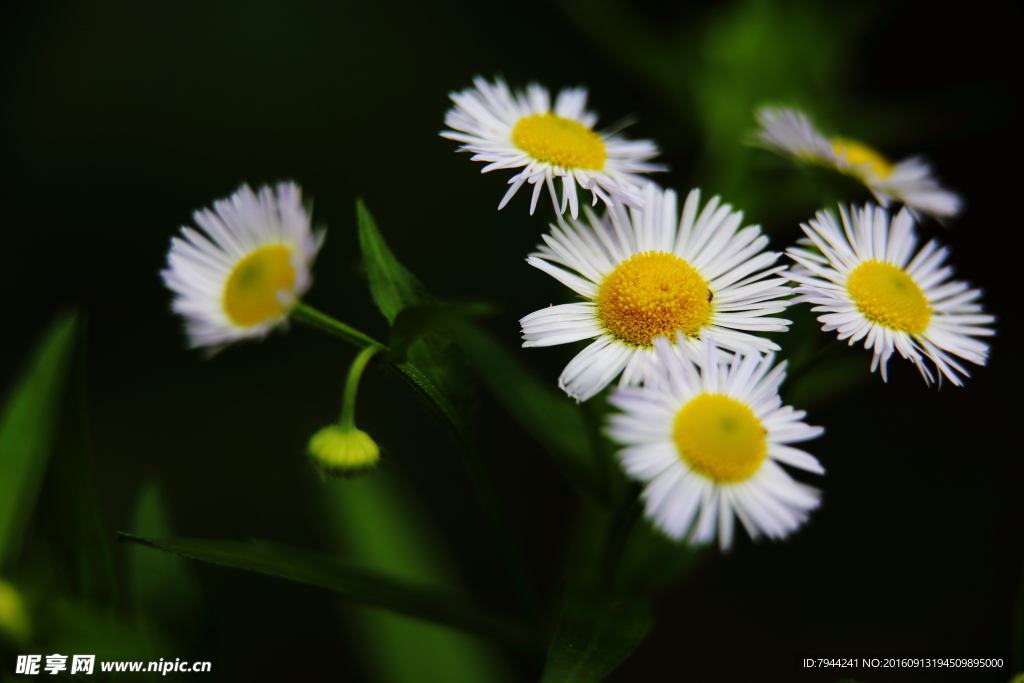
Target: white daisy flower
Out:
[514,129]
[240,279]
[909,182]
[653,273]
[707,437]
[871,285]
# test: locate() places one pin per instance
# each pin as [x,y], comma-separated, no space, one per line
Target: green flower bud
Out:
[343,452]
[14,624]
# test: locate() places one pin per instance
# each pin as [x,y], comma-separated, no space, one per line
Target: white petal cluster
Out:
[685,503]
[867,235]
[745,286]
[485,115]
[199,264]
[911,182]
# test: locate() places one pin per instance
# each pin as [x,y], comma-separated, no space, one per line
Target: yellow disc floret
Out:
[888,296]
[653,294]
[251,295]
[858,154]
[720,438]
[560,142]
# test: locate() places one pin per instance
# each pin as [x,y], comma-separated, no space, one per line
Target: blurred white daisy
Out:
[514,129]
[909,182]
[652,273]
[240,279]
[707,438]
[871,285]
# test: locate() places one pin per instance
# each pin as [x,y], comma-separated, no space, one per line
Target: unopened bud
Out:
[340,452]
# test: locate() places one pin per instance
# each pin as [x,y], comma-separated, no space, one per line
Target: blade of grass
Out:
[338,575]
[28,428]
[68,515]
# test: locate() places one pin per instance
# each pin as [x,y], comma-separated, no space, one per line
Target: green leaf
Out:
[68,518]
[547,414]
[596,633]
[415,322]
[340,576]
[162,588]
[28,429]
[395,289]
[376,523]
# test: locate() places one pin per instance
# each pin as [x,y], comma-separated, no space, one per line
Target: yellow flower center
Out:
[653,294]
[888,296]
[858,154]
[720,438]
[251,293]
[560,142]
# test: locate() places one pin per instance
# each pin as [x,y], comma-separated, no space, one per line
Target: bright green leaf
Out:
[28,428]
[551,417]
[596,633]
[340,576]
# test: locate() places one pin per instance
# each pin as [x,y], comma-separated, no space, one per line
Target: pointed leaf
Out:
[551,417]
[340,576]
[392,286]
[394,289]
[28,428]
[596,633]
[162,587]
[68,516]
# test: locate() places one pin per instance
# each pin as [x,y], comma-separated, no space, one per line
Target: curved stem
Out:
[355,372]
[459,431]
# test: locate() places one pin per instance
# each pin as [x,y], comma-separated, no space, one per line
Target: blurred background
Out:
[119,119]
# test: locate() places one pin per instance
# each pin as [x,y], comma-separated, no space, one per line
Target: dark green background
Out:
[120,118]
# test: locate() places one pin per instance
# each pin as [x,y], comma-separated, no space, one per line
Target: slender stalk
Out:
[314,318]
[348,401]
[459,431]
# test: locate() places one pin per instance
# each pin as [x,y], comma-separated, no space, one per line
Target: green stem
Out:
[459,431]
[348,402]
[314,318]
